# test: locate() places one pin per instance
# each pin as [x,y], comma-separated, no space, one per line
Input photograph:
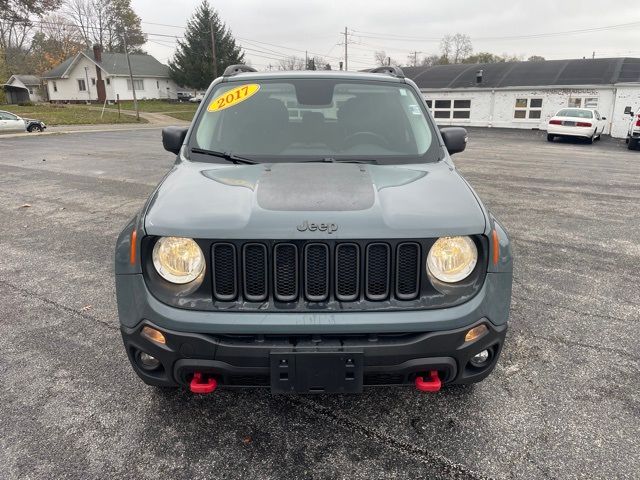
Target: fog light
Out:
[149,362]
[153,334]
[475,333]
[480,359]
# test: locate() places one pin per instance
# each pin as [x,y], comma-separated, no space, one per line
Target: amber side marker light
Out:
[153,334]
[132,250]
[475,333]
[496,247]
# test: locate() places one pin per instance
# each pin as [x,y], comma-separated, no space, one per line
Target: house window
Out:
[108,81]
[55,87]
[137,82]
[93,82]
[528,108]
[82,86]
[457,109]
[157,84]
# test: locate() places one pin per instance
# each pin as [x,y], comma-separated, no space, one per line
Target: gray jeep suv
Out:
[313,236]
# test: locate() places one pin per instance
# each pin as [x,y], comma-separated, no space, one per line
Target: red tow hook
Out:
[433,384]
[198,385]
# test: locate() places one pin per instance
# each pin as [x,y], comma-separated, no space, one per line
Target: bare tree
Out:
[102,21]
[455,48]
[430,60]
[291,63]
[380,57]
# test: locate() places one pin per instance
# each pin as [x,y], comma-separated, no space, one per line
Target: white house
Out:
[23,88]
[527,94]
[96,76]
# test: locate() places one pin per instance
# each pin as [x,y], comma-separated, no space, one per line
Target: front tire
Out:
[34,128]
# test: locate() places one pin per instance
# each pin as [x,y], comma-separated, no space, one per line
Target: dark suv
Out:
[313,236]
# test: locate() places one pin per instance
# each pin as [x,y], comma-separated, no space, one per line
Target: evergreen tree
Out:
[192,64]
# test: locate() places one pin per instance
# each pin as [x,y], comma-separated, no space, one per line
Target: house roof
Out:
[27,79]
[600,71]
[142,65]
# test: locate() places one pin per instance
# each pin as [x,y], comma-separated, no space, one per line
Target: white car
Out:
[197,99]
[576,122]
[10,122]
[633,134]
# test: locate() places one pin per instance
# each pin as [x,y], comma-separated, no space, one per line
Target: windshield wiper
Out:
[230,157]
[340,160]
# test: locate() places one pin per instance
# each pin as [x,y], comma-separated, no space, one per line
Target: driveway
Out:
[562,403]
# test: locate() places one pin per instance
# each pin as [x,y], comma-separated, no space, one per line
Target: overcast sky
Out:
[402,26]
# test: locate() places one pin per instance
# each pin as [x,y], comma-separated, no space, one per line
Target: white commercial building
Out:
[95,76]
[527,94]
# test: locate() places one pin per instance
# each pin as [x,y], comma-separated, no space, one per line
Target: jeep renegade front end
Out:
[313,236]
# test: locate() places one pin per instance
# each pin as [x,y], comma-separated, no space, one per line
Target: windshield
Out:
[570,112]
[305,119]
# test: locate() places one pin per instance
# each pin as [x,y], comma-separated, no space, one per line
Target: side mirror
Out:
[455,139]
[627,111]
[173,138]
[604,118]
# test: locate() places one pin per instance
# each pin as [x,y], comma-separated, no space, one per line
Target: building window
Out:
[137,82]
[55,87]
[450,108]
[82,86]
[583,102]
[93,82]
[157,84]
[528,108]
[108,81]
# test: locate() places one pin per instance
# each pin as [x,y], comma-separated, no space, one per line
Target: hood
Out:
[313,200]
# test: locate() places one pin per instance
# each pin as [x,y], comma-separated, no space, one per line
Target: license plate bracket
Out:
[317,372]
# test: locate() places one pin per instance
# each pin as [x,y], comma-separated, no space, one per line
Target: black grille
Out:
[407,271]
[347,272]
[332,271]
[378,262]
[285,260]
[316,272]
[255,272]
[225,287]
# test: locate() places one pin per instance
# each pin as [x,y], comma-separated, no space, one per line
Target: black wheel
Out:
[633,144]
[550,138]
[34,128]
[591,139]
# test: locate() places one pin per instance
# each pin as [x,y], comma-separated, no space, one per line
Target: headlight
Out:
[452,259]
[178,260]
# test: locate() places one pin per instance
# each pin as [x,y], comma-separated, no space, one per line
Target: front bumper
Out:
[246,360]
[237,347]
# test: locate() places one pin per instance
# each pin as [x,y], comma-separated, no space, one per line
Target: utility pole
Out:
[345,49]
[133,87]
[213,49]
[86,75]
[306,60]
[415,58]
[593,55]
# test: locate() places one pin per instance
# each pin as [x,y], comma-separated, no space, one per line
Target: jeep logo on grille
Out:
[317,227]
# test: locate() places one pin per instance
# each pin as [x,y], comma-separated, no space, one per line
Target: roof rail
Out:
[389,70]
[232,70]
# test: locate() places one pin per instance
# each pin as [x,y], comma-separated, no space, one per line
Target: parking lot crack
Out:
[53,303]
[416,452]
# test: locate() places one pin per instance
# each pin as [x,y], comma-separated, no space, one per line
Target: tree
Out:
[102,22]
[57,40]
[430,60]
[291,63]
[455,48]
[382,59]
[536,58]
[483,57]
[192,63]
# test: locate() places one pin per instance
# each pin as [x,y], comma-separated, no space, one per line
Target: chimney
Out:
[97,52]
[100,88]
[479,74]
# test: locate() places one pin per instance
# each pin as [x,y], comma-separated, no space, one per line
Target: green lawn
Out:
[158,106]
[69,114]
[187,116]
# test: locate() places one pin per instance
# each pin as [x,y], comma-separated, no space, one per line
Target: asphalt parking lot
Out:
[564,401]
